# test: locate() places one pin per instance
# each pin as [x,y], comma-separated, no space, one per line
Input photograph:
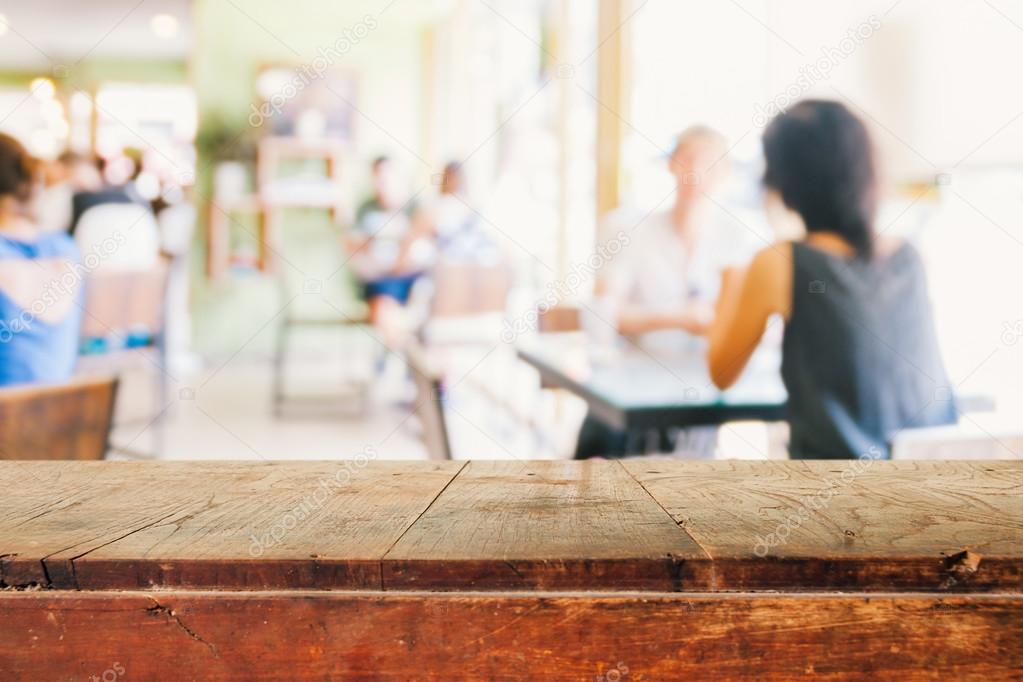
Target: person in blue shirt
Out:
[40,282]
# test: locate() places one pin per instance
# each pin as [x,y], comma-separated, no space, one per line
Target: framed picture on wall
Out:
[303,101]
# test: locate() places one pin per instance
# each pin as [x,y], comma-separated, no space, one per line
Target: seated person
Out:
[119,173]
[115,222]
[452,222]
[448,229]
[65,177]
[859,357]
[666,279]
[119,237]
[40,282]
[382,224]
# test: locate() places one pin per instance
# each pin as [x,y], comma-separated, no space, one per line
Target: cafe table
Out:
[634,385]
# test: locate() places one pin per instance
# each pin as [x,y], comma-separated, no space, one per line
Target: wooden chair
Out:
[117,302]
[429,404]
[66,421]
[560,318]
[354,392]
[467,303]
[464,289]
[960,441]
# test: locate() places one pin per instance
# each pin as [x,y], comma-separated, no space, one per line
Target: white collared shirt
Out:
[657,271]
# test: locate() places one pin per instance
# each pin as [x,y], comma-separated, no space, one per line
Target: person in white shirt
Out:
[669,275]
[663,285]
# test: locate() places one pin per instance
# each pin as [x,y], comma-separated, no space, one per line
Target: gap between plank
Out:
[71,560]
[661,507]
[426,509]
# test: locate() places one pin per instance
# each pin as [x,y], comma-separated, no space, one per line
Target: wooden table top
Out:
[640,525]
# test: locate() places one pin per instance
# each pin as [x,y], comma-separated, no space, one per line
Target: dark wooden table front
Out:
[639,569]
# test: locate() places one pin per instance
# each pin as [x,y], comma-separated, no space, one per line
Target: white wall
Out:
[934,78]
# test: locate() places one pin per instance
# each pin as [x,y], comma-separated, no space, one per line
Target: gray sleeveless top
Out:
[860,358]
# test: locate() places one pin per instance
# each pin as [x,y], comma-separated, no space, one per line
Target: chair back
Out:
[470,289]
[117,301]
[559,319]
[966,440]
[66,421]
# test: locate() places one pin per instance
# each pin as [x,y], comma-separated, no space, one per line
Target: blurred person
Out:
[382,225]
[68,175]
[40,281]
[117,211]
[663,285]
[80,171]
[114,186]
[860,359]
[448,227]
[668,277]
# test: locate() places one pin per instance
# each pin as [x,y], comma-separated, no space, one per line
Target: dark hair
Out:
[17,169]
[379,161]
[820,159]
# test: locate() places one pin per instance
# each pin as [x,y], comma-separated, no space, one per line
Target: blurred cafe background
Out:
[242,176]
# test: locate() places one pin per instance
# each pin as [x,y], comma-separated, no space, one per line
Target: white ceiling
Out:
[47,33]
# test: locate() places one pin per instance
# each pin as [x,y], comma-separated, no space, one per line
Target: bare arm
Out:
[694,318]
[749,297]
[422,227]
[37,286]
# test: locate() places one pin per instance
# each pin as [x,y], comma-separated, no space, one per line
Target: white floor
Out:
[225,411]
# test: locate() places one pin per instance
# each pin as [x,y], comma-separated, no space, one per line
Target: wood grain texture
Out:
[641,525]
[52,512]
[66,421]
[944,526]
[541,525]
[214,524]
[493,636]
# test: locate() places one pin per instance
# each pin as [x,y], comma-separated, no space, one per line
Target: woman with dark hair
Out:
[40,282]
[860,359]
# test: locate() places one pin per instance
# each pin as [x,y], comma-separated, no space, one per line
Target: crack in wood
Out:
[73,577]
[158,609]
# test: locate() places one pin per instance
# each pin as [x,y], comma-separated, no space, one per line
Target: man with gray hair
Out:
[669,276]
[662,288]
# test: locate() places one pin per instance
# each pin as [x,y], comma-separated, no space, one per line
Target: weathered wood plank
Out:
[494,636]
[543,525]
[905,526]
[944,526]
[51,512]
[220,524]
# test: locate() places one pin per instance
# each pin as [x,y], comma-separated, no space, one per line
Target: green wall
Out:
[234,41]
